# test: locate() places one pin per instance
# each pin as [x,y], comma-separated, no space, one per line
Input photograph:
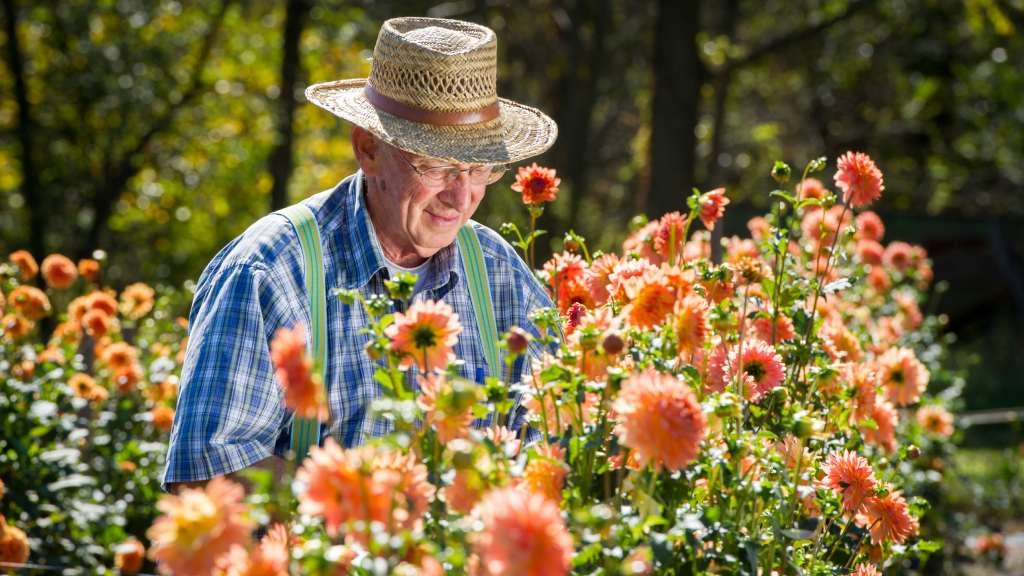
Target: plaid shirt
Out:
[230,413]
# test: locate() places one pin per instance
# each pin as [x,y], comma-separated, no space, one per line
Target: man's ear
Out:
[365,147]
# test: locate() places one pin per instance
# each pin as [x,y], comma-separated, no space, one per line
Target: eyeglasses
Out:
[443,175]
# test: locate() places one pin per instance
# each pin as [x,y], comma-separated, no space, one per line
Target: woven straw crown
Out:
[432,91]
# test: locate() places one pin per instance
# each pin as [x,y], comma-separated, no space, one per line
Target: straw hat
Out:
[432,91]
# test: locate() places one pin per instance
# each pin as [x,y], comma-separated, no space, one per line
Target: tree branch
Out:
[792,38]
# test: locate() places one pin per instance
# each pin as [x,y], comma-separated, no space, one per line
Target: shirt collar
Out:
[364,260]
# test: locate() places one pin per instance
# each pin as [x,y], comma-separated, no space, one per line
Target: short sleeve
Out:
[230,410]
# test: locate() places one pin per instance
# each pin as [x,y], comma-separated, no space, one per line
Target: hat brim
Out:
[518,133]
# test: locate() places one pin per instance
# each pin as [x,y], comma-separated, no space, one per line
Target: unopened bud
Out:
[613,344]
[913,452]
[517,340]
[781,172]
[571,244]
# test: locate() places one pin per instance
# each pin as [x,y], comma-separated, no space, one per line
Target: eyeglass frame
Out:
[496,172]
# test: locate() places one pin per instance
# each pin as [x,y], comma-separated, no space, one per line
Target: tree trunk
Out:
[35,200]
[280,163]
[677,80]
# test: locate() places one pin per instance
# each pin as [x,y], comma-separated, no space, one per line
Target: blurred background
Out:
[156,131]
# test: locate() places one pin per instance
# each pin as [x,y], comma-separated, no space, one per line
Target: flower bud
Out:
[913,452]
[517,340]
[613,344]
[781,172]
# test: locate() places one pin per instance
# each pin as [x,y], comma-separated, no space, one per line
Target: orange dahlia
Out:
[760,368]
[849,475]
[761,328]
[119,355]
[198,527]
[97,323]
[691,324]
[448,406]
[651,298]
[668,236]
[523,534]
[136,300]
[712,207]
[14,547]
[903,375]
[303,390]
[59,271]
[128,556]
[26,264]
[16,327]
[367,483]
[163,417]
[89,269]
[100,300]
[935,420]
[546,471]
[859,179]
[883,434]
[870,252]
[269,558]
[466,489]
[888,518]
[537,184]
[811,188]
[659,419]
[598,276]
[30,302]
[869,227]
[865,569]
[425,335]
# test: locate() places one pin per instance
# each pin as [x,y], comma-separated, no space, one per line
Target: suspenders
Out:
[306,431]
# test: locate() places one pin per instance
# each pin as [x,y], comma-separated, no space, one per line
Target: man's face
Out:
[413,216]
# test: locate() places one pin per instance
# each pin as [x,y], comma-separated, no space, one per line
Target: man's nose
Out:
[458,192]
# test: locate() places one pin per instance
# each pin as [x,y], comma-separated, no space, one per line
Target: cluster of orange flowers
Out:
[14,547]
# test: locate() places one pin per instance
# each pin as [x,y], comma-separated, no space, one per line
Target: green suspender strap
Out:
[306,431]
[480,294]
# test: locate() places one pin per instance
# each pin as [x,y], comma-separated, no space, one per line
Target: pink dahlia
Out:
[523,533]
[659,419]
[859,179]
[760,368]
[849,475]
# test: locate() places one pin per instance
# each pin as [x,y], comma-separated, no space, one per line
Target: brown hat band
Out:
[406,112]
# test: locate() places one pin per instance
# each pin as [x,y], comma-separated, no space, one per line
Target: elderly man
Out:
[429,135]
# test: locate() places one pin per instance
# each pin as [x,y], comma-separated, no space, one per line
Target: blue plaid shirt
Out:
[230,413]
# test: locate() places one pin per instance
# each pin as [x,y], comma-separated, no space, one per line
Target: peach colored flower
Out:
[100,300]
[761,328]
[198,527]
[367,483]
[903,375]
[870,252]
[598,276]
[884,433]
[303,390]
[641,243]
[523,534]
[668,236]
[30,302]
[859,179]
[136,300]
[97,323]
[26,264]
[712,207]
[899,255]
[935,420]
[537,184]
[14,547]
[564,267]
[126,377]
[59,271]
[849,475]
[910,312]
[89,269]
[119,355]
[650,299]
[737,249]
[760,367]
[659,419]
[465,491]
[128,556]
[865,380]
[504,440]
[269,558]
[878,278]
[623,272]
[869,227]
[691,325]
[759,228]
[794,455]
[448,407]
[163,417]
[841,342]
[865,569]
[546,471]
[811,188]
[888,518]
[16,327]
[715,374]
[425,335]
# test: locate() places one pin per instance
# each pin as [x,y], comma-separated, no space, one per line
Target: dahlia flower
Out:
[888,518]
[199,527]
[668,236]
[137,300]
[425,335]
[89,269]
[935,420]
[29,302]
[650,298]
[25,262]
[760,368]
[859,179]
[712,207]
[128,556]
[523,534]
[869,227]
[903,375]
[537,184]
[269,558]
[659,419]
[546,471]
[691,325]
[58,271]
[848,474]
[865,569]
